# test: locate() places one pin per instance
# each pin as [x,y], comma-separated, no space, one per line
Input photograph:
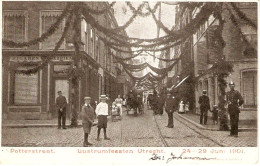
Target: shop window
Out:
[249,79]
[25,88]
[15,26]
[48,18]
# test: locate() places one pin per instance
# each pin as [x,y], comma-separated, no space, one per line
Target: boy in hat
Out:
[102,113]
[87,114]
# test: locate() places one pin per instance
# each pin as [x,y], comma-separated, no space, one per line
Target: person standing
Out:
[102,113]
[119,103]
[170,106]
[234,100]
[215,114]
[61,104]
[161,103]
[87,114]
[204,107]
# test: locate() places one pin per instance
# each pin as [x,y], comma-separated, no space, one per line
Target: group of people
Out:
[233,101]
[88,113]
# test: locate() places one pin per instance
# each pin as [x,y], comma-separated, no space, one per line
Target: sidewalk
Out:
[37,123]
[244,125]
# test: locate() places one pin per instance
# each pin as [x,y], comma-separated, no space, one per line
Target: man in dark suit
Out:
[234,100]
[170,107]
[204,107]
[87,114]
[61,104]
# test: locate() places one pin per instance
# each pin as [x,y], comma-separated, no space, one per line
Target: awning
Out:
[180,82]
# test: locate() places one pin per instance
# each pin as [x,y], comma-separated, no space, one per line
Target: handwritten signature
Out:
[180,157]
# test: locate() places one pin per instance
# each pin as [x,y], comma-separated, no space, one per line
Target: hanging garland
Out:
[139,12]
[162,59]
[191,27]
[243,15]
[162,70]
[147,49]
[236,24]
[127,58]
[46,59]
[87,15]
[98,12]
[44,36]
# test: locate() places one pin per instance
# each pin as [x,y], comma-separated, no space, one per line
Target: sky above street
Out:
[144,27]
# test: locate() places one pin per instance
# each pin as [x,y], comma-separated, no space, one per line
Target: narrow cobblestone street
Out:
[140,131]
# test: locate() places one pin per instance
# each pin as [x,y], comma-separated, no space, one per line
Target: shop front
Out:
[32,96]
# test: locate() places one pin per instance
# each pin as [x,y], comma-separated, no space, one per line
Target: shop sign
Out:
[62,58]
[25,58]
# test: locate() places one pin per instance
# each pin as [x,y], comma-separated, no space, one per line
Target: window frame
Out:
[25,28]
[41,30]
[12,89]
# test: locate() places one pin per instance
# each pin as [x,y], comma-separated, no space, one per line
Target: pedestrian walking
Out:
[186,107]
[140,104]
[181,107]
[170,107]
[161,101]
[215,114]
[234,100]
[124,101]
[61,104]
[204,107]
[87,114]
[102,113]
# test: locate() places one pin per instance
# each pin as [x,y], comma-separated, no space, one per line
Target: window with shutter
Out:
[25,87]
[48,18]
[15,26]
[249,79]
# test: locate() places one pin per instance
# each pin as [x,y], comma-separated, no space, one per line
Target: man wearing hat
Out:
[102,113]
[61,104]
[234,100]
[87,114]
[170,107]
[204,107]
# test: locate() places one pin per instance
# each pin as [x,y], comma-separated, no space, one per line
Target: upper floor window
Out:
[251,36]
[48,18]
[15,25]
[97,52]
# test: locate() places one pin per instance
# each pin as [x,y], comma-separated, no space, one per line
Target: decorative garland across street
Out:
[44,36]
[139,12]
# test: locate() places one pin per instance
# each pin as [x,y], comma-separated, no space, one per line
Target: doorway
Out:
[63,86]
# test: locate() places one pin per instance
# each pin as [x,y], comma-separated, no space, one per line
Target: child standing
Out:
[87,114]
[215,114]
[102,113]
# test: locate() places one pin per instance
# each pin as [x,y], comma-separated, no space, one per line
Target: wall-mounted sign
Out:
[25,58]
[62,58]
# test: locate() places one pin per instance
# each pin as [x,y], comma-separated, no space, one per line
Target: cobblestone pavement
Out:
[140,131]
[184,134]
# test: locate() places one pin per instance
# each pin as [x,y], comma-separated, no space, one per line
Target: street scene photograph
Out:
[129,74]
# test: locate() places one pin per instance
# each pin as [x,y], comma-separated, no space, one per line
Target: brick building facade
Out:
[33,96]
